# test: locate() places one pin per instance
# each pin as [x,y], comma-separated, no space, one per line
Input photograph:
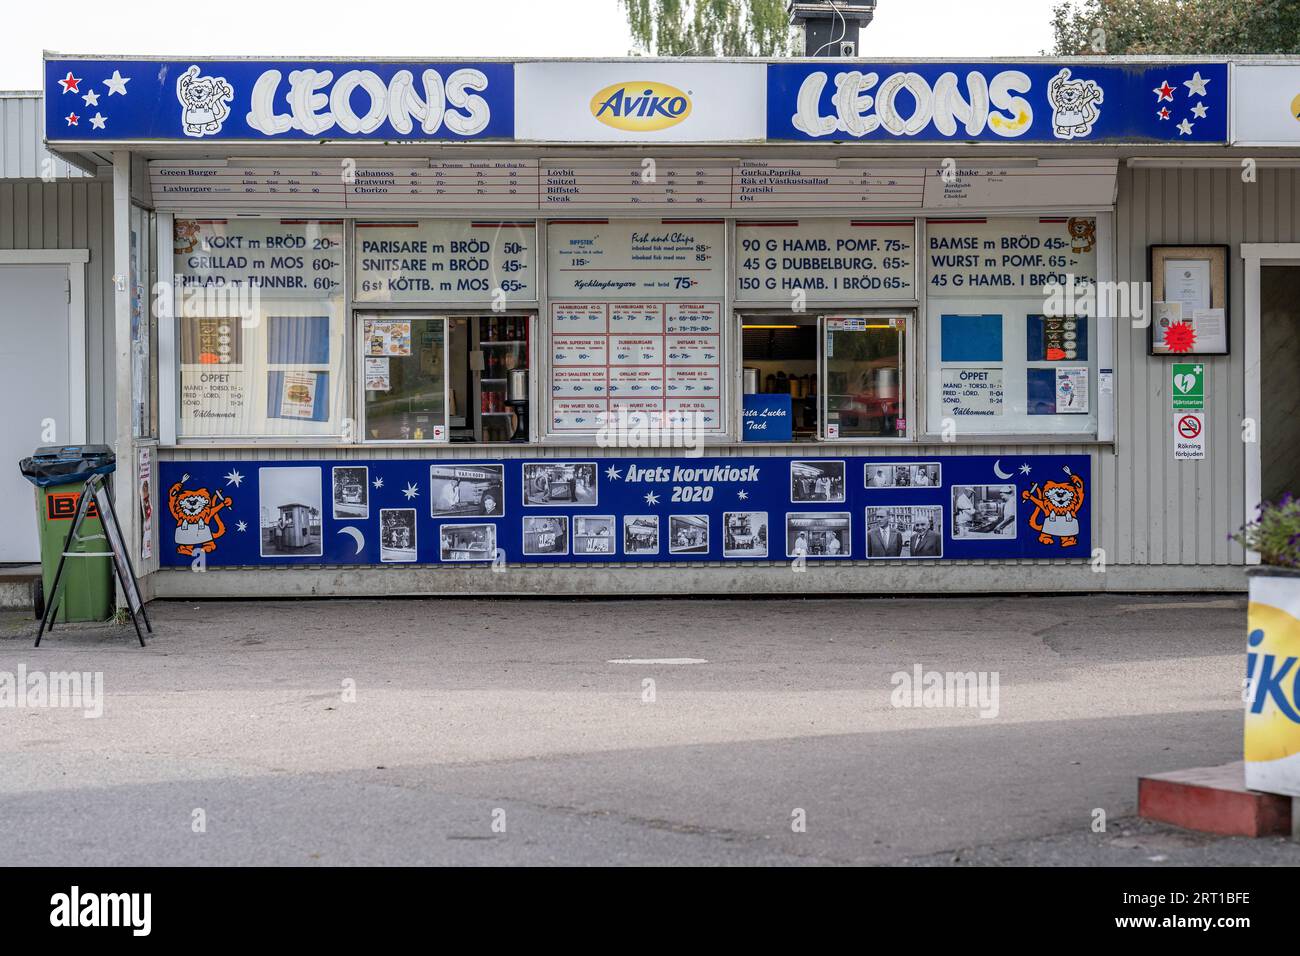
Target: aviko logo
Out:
[641,106]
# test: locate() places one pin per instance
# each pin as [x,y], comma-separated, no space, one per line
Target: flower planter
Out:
[1272,734]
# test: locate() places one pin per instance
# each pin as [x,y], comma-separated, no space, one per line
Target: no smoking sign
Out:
[1189,436]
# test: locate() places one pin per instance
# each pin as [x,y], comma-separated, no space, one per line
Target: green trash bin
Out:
[86,591]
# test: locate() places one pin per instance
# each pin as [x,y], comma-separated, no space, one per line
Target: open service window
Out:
[1012,335]
[259,314]
[834,377]
[404,380]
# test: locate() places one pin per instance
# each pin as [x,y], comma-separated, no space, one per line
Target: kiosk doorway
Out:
[1279,328]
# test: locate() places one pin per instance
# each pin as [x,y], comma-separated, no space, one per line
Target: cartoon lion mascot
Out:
[1059,502]
[198,518]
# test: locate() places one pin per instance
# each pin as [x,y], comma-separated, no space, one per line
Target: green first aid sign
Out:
[1187,386]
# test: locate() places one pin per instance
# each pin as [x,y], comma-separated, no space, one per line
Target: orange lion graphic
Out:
[197,514]
[1059,502]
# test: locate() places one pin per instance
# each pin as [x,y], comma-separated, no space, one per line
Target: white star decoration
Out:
[241,526]
[117,83]
[233,477]
[97,121]
[1185,128]
[91,98]
[411,491]
[378,483]
[613,474]
[742,494]
[1199,111]
[1025,469]
[651,498]
[1196,85]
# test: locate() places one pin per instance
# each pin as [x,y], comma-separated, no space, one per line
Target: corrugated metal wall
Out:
[73,213]
[22,154]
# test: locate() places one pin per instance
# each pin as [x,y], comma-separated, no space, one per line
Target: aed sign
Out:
[1187,386]
[1189,436]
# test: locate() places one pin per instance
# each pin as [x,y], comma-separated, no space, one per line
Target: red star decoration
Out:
[69,83]
[1164,113]
[1180,337]
[72,119]
[1164,91]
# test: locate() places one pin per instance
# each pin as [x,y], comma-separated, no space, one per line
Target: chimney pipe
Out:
[831,27]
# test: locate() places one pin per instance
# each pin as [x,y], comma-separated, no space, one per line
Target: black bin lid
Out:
[64,464]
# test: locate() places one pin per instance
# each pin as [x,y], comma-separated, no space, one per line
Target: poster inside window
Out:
[635,323]
[1012,330]
[259,311]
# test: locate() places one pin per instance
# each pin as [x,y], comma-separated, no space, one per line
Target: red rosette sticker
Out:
[1180,337]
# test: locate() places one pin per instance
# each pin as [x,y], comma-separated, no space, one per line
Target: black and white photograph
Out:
[640,534]
[594,534]
[467,542]
[927,474]
[397,543]
[744,534]
[351,485]
[467,491]
[546,534]
[817,482]
[984,511]
[905,531]
[688,534]
[560,483]
[818,534]
[289,500]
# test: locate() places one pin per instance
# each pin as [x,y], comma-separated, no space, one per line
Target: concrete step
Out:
[1213,800]
[16,585]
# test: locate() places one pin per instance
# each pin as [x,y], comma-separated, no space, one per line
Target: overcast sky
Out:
[423,29]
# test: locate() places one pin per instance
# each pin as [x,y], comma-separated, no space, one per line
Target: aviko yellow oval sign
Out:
[641,106]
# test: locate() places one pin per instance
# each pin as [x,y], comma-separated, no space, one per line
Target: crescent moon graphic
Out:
[997,470]
[357,536]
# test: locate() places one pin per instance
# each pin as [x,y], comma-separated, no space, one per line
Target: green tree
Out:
[1176,27]
[709,27]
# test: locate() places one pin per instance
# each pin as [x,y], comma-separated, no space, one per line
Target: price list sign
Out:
[829,260]
[648,183]
[446,260]
[657,363]
[235,187]
[477,184]
[771,184]
[650,259]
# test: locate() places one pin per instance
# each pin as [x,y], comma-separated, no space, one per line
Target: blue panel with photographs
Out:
[377,511]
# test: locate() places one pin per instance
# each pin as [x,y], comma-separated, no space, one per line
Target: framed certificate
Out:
[1189,300]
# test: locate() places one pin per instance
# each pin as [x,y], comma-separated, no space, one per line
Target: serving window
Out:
[1012,335]
[259,310]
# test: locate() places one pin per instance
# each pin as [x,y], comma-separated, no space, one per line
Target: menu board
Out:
[1043,183]
[657,363]
[647,182]
[1009,257]
[274,258]
[768,184]
[829,260]
[635,259]
[445,260]
[231,186]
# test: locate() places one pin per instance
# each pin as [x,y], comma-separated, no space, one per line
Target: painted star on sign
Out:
[90,98]
[241,526]
[233,477]
[651,498]
[411,491]
[378,483]
[1164,92]
[613,474]
[1164,113]
[1025,468]
[1185,128]
[69,83]
[1196,85]
[117,83]
[72,119]
[97,121]
[742,494]
[1199,111]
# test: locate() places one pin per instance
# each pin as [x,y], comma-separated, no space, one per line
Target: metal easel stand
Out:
[96,490]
